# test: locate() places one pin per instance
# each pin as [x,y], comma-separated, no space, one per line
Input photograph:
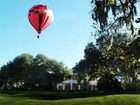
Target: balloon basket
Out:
[38,36]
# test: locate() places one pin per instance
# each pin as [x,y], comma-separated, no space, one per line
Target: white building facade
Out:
[72,85]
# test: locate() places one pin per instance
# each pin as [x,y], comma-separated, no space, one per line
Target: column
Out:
[71,85]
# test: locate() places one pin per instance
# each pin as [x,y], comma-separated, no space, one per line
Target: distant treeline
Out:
[29,73]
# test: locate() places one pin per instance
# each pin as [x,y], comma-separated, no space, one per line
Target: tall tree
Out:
[26,72]
[88,68]
[111,16]
[13,73]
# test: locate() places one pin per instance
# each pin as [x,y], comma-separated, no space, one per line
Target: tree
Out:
[117,58]
[26,72]
[48,72]
[108,82]
[121,57]
[81,70]
[88,68]
[111,54]
[57,72]
[111,16]
[133,51]
[13,73]
[93,57]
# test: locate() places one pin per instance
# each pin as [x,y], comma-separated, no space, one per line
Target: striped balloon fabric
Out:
[40,17]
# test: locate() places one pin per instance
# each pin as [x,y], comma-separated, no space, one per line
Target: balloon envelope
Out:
[40,17]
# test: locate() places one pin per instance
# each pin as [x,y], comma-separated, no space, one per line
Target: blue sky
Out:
[64,40]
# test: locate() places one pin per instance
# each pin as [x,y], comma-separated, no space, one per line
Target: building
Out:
[72,85]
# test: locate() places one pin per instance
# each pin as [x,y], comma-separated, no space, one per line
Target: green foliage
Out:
[108,82]
[113,15]
[86,68]
[120,52]
[133,86]
[117,54]
[26,72]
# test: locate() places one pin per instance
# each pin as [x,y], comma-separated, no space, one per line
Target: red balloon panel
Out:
[40,16]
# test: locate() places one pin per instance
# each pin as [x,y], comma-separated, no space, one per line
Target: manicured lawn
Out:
[24,99]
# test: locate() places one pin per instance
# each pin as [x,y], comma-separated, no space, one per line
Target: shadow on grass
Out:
[54,95]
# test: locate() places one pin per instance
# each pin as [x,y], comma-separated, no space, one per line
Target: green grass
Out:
[23,98]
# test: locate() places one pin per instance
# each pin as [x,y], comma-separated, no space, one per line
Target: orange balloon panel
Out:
[40,17]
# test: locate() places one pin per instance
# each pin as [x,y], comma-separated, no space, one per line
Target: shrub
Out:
[109,83]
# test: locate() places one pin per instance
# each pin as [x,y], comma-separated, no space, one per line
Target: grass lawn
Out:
[26,99]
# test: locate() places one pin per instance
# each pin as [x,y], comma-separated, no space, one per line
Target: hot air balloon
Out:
[40,16]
